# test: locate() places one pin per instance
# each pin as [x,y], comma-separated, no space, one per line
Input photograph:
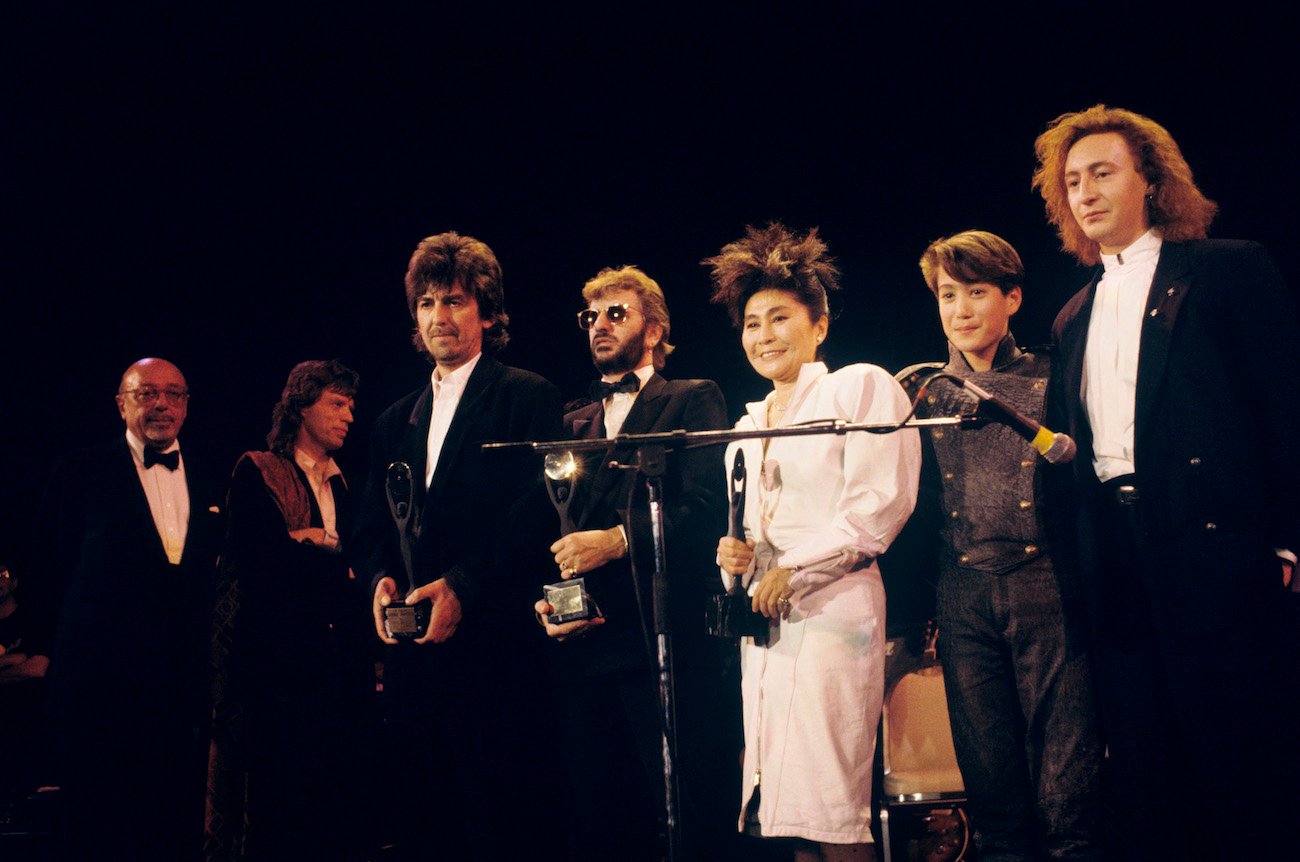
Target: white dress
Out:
[829,504]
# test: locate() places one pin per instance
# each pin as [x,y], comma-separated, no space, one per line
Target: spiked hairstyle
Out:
[773,258]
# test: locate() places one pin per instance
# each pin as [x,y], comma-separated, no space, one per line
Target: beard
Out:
[626,358]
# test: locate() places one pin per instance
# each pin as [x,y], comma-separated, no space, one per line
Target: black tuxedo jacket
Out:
[482,522]
[1215,420]
[694,517]
[132,631]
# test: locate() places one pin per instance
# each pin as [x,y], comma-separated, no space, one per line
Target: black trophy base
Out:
[406,622]
[732,615]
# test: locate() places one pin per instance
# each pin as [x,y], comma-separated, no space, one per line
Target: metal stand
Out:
[652,463]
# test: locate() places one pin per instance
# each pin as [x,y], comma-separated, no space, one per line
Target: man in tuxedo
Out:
[1173,377]
[126,541]
[603,671]
[460,697]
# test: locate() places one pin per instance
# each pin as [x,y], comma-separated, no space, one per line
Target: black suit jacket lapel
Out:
[589,427]
[1073,346]
[414,446]
[1168,288]
[195,537]
[343,509]
[1077,336]
[649,403]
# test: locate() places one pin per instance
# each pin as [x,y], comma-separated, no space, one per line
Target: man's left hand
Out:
[445,614]
[587,550]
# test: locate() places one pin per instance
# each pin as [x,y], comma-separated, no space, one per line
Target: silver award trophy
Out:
[569,598]
[403,621]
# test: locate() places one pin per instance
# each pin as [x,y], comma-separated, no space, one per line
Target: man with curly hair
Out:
[1168,374]
[287,774]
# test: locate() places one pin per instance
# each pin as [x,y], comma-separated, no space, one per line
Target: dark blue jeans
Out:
[1024,726]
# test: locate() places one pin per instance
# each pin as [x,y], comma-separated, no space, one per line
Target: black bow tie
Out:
[600,390]
[170,460]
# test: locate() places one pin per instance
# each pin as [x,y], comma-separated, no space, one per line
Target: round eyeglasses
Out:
[615,313]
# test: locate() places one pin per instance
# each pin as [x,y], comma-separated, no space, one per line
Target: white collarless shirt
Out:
[1110,360]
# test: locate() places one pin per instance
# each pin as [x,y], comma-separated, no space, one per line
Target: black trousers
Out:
[609,735]
[1199,725]
[469,779]
[131,791]
[1023,716]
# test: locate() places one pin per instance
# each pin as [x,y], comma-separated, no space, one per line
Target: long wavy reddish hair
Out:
[1176,207]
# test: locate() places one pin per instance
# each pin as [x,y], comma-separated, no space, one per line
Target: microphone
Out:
[1055,448]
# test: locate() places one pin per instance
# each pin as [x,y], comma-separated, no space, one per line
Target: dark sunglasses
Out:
[616,313]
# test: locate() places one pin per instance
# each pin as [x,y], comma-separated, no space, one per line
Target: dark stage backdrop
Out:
[240,190]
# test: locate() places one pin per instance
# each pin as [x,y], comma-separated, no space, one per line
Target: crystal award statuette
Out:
[569,598]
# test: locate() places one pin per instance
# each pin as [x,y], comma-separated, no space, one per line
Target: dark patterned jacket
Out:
[991,481]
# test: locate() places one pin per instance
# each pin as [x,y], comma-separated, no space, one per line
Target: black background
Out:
[239,189]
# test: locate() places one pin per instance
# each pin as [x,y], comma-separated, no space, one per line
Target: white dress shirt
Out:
[168,496]
[618,404]
[1110,360]
[446,397]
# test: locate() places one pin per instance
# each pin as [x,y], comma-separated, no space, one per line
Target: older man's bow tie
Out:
[600,390]
[170,460]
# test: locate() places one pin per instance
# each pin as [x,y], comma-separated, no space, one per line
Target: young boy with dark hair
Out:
[1015,672]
